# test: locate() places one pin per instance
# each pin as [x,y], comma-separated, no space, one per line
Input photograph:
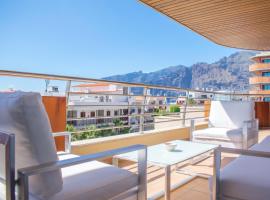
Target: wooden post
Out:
[207,106]
[262,112]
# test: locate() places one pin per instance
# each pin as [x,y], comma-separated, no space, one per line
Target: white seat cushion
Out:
[3,192]
[248,177]
[23,114]
[222,134]
[94,180]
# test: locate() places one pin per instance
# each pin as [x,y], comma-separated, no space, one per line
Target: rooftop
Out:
[259,55]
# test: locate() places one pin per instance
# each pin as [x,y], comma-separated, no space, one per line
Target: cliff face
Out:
[227,73]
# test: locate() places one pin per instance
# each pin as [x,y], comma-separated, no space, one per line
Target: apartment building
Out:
[103,104]
[260,79]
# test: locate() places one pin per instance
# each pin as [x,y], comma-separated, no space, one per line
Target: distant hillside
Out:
[227,73]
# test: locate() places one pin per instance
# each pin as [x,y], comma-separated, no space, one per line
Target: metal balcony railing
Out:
[104,107]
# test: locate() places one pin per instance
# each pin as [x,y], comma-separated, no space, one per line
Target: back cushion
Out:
[23,114]
[231,114]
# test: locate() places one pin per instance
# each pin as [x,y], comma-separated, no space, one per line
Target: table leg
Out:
[167,194]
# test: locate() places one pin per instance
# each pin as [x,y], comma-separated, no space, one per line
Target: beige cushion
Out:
[23,114]
[230,114]
[94,180]
[248,177]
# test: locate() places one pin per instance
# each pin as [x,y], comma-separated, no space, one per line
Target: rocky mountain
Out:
[228,73]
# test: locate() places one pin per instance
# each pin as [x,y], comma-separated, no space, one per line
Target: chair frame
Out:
[246,126]
[67,136]
[8,140]
[216,186]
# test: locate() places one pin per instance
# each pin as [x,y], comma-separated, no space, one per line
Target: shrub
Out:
[92,132]
[174,108]
[191,102]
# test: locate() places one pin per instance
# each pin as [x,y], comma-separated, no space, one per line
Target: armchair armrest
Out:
[249,125]
[217,164]
[67,136]
[7,140]
[252,123]
[25,173]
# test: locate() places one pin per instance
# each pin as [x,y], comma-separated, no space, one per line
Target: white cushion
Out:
[248,177]
[94,180]
[222,134]
[23,114]
[2,190]
[230,114]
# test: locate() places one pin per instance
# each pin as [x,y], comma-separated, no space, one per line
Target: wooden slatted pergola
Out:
[234,23]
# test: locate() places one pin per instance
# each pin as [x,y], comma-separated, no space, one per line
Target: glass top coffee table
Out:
[160,156]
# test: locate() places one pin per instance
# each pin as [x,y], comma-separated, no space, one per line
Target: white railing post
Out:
[129,110]
[68,85]
[143,110]
[185,109]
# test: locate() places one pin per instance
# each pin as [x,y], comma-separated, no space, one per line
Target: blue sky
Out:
[95,38]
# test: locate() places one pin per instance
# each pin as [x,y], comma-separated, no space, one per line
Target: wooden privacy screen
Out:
[56,110]
[207,105]
[262,112]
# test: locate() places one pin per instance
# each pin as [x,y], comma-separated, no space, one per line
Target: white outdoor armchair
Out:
[246,177]
[34,168]
[231,124]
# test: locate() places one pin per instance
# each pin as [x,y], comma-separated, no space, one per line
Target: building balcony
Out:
[166,126]
[259,80]
[259,92]
[257,67]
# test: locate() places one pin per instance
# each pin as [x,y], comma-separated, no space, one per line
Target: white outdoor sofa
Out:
[245,178]
[31,168]
[231,124]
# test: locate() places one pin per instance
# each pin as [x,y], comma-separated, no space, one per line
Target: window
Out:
[266,99]
[266,60]
[266,74]
[108,113]
[100,113]
[72,114]
[115,112]
[266,87]
[101,98]
[82,114]
[125,111]
[93,114]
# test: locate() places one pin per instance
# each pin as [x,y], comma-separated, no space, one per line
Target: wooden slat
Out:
[234,23]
